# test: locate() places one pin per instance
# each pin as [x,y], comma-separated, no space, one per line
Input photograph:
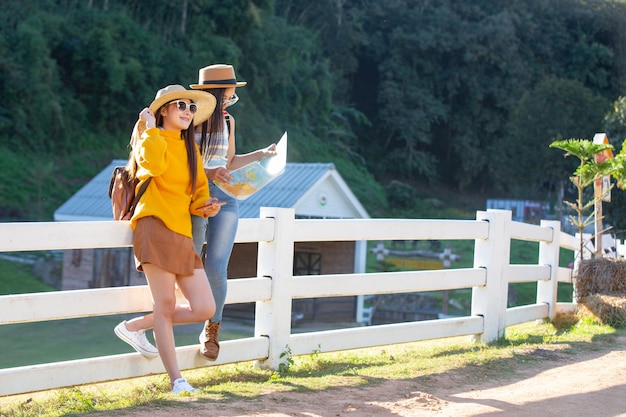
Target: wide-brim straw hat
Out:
[217,76]
[205,101]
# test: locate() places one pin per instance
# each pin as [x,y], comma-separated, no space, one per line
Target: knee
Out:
[205,311]
[216,275]
[202,308]
[166,308]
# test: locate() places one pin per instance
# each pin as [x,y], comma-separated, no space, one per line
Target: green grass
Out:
[91,337]
[78,339]
[419,362]
[17,278]
[67,339]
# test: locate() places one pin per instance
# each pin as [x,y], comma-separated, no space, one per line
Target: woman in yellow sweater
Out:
[164,148]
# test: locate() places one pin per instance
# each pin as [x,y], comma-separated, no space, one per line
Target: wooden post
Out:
[598,221]
[601,192]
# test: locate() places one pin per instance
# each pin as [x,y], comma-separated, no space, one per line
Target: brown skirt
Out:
[154,243]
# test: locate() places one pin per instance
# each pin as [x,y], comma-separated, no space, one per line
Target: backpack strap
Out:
[142,190]
[227,119]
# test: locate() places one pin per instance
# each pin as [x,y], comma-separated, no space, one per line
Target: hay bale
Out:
[608,309]
[600,276]
[600,289]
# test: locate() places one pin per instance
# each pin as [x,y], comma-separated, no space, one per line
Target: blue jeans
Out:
[219,233]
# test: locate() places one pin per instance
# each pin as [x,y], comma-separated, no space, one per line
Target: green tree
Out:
[408,90]
[587,173]
[553,110]
[439,80]
[615,129]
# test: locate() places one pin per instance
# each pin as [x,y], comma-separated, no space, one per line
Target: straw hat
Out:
[205,101]
[217,76]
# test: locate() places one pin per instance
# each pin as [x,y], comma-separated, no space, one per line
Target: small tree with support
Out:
[590,170]
[598,282]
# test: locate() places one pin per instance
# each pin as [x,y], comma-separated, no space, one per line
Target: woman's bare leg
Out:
[162,288]
[197,291]
[200,307]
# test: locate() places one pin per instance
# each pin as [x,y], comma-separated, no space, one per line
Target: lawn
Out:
[80,338]
[419,362]
[18,278]
[21,344]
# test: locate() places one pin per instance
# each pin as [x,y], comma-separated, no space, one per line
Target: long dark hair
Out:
[213,126]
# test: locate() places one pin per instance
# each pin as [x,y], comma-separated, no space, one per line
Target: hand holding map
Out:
[250,178]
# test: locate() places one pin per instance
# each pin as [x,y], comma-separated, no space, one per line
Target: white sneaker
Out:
[181,385]
[137,340]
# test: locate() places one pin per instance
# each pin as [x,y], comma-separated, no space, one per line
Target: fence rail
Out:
[274,288]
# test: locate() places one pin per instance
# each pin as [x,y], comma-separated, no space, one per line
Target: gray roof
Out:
[286,190]
[92,202]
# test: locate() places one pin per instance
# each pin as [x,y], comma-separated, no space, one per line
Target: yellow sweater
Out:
[161,154]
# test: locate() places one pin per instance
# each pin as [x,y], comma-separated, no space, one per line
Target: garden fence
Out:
[274,288]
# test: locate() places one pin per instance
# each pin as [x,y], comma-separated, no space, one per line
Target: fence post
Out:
[275,260]
[493,254]
[549,255]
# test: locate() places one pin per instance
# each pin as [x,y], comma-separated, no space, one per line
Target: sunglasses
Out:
[231,100]
[182,106]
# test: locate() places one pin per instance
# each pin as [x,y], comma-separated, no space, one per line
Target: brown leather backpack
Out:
[122,193]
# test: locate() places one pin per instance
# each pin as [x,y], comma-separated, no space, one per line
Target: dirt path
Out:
[585,385]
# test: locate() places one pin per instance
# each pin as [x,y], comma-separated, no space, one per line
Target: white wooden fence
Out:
[274,288]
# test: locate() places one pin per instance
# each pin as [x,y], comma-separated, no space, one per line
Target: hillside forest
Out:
[418,103]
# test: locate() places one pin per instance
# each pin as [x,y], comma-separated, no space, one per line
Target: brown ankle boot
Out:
[209,340]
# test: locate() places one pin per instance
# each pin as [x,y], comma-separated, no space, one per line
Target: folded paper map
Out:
[250,178]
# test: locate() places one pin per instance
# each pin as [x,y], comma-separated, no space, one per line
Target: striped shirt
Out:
[218,159]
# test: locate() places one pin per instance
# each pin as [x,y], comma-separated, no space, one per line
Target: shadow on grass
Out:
[367,394]
[515,358]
